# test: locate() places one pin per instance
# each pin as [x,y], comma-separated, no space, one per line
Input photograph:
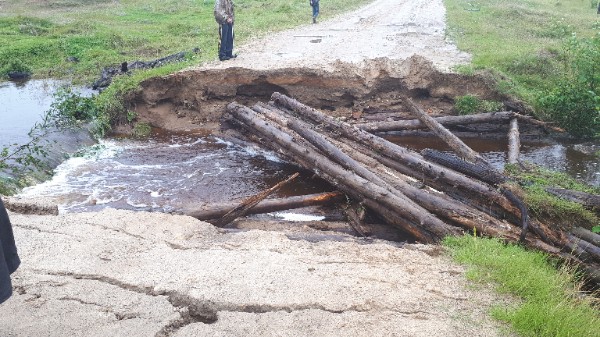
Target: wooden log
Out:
[586,199]
[592,250]
[454,142]
[270,205]
[416,124]
[586,235]
[475,170]
[514,142]
[393,208]
[403,160]
[247,204]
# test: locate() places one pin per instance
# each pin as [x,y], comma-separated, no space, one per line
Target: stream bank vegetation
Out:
[550,55]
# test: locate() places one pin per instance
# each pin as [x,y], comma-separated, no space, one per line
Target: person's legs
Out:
[229,50]
[226,47]
[315,12]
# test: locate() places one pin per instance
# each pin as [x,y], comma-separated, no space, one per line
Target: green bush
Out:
[574,100]
[14,65]
[470,104]
[69,108]
[142,130]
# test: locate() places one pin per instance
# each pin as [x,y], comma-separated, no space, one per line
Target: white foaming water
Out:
[167,176]
[297,217]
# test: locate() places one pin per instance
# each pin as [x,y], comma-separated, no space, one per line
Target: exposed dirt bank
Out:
[358,62]
[196,99]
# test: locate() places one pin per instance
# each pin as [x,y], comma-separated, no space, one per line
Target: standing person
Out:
[9,260]
[315,8]
[225,18]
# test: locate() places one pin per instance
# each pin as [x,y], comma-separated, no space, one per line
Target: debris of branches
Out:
[423,198]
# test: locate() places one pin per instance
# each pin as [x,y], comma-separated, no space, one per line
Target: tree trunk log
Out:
[247,204]
[270,205]
[586,199]
[586,235]
[514,143]
[454,142]
[416,124]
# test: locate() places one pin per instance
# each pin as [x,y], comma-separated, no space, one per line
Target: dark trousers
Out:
[9,260]
[226,45]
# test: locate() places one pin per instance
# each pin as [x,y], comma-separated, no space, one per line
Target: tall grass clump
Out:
[573,100]
[548,54]
[548,301]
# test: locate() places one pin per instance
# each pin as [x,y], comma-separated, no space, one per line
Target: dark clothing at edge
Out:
[9,260]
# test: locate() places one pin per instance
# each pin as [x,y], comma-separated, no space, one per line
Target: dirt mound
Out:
[196,99]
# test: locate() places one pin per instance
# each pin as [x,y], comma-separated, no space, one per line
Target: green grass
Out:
[531,34]
[548,301]
[549,208]
[44,35]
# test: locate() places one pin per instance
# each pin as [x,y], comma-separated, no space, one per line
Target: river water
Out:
[22,104]
[177,172]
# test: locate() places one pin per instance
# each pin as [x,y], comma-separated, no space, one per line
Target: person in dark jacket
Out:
[315,9]
[225,18]
[9,260]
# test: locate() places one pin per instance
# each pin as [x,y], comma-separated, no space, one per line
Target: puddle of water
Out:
[22,104]
[558,156]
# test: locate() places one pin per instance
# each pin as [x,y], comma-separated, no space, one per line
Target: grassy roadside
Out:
[76,39]
[545,52]
[539,51]
[548,301]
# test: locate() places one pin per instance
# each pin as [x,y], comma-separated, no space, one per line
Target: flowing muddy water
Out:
[179,171]
[168,173]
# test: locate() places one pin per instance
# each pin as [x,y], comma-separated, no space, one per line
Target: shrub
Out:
[15,66]
[574,100]
[470,104]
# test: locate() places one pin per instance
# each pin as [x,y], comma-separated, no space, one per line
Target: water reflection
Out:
[558,156]
[24,103]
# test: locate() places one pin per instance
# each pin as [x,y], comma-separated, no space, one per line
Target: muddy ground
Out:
[123,273]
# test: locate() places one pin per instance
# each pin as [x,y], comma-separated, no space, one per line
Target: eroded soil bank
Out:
[196,99]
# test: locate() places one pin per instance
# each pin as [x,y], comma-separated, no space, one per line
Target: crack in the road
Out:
[193,310]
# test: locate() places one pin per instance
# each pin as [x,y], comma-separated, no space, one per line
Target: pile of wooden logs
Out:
[416,193]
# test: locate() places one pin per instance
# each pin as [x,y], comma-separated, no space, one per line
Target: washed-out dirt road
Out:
[124,273]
